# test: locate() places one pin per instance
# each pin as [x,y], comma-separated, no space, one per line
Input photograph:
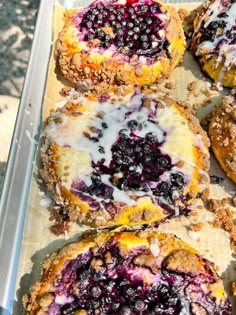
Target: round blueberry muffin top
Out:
[135,159]
[128,273]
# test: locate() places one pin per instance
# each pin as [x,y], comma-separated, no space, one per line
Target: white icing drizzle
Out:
[142,273]
[200,144]
[28,134]
[204,185]
[154,247]
[185,308]
[222,42]
[194,235]
[62,299]
[113,116]
[76,133]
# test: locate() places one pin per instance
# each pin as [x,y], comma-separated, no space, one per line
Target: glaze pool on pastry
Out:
[214,40]
[132,42]
[128,273]
[222,132]
[134,159]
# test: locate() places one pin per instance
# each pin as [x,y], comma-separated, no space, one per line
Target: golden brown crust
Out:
[80,64]
[222,133]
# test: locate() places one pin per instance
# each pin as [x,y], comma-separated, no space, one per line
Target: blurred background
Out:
[17,21]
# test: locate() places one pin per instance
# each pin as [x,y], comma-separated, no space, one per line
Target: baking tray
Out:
[20,167]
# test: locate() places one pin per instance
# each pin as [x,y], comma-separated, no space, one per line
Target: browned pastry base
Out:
[129,273]
[222,132]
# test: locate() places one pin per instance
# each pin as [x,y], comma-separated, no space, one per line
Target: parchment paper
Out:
[38,241]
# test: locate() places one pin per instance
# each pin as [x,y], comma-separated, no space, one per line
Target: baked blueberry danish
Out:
[127,273]
[214,40]
[132,159]
[116,41]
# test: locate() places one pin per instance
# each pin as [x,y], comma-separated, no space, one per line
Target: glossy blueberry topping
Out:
[107,282]
[211,31]
[130,154]
[133,28]
[177,180]
[69,309]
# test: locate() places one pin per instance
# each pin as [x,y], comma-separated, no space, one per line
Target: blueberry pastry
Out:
[127,273]
[214,40]
[131,159]
[222,132]
[121,42]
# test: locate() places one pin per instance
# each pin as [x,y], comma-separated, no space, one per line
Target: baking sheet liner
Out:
[38,241]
